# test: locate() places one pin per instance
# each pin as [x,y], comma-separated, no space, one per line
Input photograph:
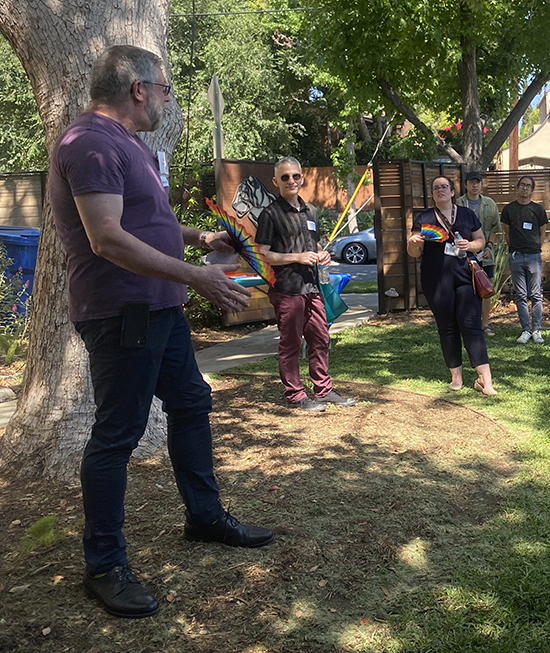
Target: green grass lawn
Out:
[491,592]
[360,287]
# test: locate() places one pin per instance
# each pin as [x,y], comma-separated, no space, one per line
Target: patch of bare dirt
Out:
[367,503]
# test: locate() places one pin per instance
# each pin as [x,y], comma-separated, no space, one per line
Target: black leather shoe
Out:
[308,404]
[121,593]
[228,530]
[334,398]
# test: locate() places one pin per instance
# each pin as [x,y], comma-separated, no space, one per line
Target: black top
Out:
[434,260]
[524,239]
[290,231]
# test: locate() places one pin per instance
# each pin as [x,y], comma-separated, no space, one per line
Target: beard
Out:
[155,113]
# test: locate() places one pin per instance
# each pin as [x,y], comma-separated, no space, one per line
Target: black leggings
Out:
[457,311]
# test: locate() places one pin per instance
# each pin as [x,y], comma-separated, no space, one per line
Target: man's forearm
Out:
[191,235]
[132,254]
[277,258]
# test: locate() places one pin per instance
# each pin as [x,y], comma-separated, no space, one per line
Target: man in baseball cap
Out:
[487,212]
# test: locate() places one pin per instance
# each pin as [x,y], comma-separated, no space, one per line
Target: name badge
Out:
[163,168]
[527,225]
[311,225]
[451,250]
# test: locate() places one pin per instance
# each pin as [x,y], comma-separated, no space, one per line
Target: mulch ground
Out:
[367,504]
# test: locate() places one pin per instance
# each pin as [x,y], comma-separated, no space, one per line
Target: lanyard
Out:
[445,222]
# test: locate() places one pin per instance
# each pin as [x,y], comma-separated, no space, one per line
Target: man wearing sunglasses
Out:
[288,230]
[524,226]
[127,282]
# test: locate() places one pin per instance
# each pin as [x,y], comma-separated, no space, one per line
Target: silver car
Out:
[356,249]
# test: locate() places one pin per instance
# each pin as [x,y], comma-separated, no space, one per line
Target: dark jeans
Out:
[124,382]
[297,316]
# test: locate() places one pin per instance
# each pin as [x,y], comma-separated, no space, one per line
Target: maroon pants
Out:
[297,316]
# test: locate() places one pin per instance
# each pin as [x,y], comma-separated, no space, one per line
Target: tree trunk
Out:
[472,125]
[57,44]
[363,129]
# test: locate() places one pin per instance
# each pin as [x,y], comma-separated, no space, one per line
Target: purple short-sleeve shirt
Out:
[99,155]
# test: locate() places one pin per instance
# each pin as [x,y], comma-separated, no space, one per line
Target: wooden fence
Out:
[21,198]
[402,190]
[320,186]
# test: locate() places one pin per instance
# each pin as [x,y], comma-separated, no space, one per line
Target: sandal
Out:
[478,385]
[488,331]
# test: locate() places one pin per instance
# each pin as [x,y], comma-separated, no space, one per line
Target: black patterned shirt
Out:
[291,231]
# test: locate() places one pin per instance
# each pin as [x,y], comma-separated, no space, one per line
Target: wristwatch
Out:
[202,239]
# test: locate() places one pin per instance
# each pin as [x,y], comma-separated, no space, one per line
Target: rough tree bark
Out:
[57,43]
[472,125]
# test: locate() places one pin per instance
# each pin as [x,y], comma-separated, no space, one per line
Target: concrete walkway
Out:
[263,343]
[255,346]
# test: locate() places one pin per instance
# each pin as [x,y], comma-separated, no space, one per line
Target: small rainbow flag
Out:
[433,232]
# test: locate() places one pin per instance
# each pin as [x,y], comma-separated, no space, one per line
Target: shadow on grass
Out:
[385,520]
[410,354]
[402,524]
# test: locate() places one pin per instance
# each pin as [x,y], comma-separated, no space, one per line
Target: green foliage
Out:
[43,534]
[269,111]
[328,219]
[198,310]
[531,119]
[499,280]
[344,161]
[417,145]
[40,535]
[22,145]
[417,47]
[13,298]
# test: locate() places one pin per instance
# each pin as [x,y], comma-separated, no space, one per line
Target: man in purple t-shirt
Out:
[127,282]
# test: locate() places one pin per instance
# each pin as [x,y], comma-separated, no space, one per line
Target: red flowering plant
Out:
[453,135]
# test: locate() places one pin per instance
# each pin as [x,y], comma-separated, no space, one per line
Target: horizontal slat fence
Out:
[402,191]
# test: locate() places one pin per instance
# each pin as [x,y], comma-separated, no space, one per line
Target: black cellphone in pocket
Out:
[135,323]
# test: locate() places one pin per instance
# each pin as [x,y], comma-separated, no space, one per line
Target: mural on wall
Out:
[251,198]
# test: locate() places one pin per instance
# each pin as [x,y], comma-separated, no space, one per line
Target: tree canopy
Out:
[22,145]
[463,57]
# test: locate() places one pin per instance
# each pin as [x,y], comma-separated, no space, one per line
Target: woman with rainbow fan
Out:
[447,281]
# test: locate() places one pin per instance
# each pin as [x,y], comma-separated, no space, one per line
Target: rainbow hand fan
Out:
[244,243]
[433,232]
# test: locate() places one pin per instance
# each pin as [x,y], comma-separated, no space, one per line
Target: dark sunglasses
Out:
[166,88]
[296,177]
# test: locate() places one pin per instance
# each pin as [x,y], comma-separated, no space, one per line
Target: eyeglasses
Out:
[296,177]
[526,186]
[442,187]
[166,88]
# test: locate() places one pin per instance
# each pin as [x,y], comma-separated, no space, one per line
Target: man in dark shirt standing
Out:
[289,232]
[524,226]
[127,282]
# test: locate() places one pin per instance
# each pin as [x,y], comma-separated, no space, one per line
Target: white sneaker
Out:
[537,337]
[524,337]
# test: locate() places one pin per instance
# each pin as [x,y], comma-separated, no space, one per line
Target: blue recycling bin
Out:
[21,245]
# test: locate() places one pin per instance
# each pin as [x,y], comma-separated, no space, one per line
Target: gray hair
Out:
[288,159]
[118,68]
